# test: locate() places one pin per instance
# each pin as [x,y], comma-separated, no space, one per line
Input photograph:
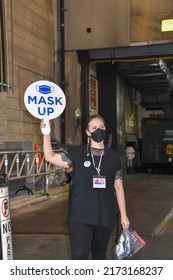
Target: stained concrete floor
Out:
[40,230]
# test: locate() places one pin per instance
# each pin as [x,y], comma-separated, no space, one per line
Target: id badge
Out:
[99,182]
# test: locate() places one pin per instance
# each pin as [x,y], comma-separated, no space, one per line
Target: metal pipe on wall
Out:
[4,52]
[62,64]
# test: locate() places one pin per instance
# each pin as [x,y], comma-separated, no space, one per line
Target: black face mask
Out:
[98,135]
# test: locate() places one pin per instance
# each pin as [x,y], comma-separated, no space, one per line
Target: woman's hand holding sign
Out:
[45,126]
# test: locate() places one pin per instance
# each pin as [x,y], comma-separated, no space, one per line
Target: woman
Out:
[96,189]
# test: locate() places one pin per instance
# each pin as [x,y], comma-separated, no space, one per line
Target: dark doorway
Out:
[106,74]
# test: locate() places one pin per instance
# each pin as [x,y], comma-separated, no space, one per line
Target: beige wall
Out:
[72,91]
[107,20]
[30,40]
[115,23]
[145,21]
[33,54]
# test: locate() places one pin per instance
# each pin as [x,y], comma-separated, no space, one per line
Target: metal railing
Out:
[29,165]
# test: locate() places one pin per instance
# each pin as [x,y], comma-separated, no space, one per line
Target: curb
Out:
[159,227]
[25,201]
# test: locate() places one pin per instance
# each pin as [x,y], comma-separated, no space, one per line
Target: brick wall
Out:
[30,41]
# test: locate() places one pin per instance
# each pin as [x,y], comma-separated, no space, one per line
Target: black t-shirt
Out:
[90,205]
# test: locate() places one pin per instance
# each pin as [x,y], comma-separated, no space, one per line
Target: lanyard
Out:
[97,168]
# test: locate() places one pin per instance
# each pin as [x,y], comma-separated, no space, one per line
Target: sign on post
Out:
[6,248]
[45,100]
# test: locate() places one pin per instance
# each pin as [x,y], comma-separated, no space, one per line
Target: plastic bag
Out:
[129,243]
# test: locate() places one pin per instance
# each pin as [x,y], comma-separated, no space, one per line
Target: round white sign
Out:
[44,100]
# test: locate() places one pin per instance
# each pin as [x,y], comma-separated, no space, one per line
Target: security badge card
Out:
[99,182]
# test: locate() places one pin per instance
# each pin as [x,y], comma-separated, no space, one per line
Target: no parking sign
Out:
[44,100]
[6,248]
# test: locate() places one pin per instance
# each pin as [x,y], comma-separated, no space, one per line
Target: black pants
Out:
[87,238]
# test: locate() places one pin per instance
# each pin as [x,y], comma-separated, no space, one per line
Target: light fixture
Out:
[167,25]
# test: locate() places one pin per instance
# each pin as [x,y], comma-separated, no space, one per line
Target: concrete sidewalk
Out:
[40,229]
